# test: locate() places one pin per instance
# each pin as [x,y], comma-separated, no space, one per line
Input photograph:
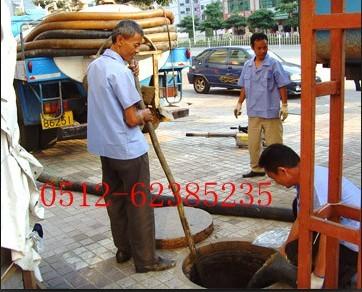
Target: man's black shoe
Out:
[160,265]
[253,174]
[122,257]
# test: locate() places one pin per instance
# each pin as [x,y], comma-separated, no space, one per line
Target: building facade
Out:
[182,8]
[246,7]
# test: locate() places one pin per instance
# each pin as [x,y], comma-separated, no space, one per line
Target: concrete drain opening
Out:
[226,264]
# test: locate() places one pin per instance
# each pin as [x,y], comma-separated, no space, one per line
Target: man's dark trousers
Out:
[133,228]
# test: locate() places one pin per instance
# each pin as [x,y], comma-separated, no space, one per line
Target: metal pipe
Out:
[209,135]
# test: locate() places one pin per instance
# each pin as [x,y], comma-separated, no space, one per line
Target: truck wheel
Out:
[201,85]
[29,136]
[33,138]
[47,138]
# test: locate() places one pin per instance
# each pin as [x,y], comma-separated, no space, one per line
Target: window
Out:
[202,55]
[269,3]
[218,57]
[237,57]
[236,6]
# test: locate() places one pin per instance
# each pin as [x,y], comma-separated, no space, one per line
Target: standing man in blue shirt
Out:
[114,134]
[282,164]
[263,84]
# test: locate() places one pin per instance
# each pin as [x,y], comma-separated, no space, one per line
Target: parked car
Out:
[221,67]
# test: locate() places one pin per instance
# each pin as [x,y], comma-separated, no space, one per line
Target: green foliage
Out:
[186,25]
[235,21]
[213,17]
[291,8]
[292,21]
[146,2]
[262,19]
[288,6]
[68,5]
[71,5]
[164,2]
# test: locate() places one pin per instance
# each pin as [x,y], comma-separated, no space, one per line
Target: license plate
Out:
[65,120]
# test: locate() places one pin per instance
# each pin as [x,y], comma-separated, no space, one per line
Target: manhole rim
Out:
[179,273]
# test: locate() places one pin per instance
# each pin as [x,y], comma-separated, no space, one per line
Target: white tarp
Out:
[20,206]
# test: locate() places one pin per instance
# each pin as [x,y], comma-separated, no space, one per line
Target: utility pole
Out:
[193,19]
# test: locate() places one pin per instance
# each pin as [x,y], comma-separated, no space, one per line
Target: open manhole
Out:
[226,264]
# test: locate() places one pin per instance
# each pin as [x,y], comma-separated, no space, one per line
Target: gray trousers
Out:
[132,223]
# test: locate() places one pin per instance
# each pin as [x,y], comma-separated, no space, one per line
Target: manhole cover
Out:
[169,231]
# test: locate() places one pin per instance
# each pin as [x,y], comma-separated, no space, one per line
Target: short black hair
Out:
[257,37]
[126,28]
[278,155]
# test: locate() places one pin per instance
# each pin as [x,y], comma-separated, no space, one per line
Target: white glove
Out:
[284,111]
[237,110]
[316,282]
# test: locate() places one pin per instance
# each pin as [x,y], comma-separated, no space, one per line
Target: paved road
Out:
[79,252]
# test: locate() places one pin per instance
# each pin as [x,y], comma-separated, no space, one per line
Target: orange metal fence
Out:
[327,221]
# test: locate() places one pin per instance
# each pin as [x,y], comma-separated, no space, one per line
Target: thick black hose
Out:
[92,34]
[253,211]
[79,52]
[73,34]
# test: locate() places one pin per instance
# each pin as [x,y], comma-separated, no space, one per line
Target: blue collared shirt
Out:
[261,87]
[350,195]
[111,90]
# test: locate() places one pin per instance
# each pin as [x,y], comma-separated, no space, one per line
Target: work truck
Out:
[52,106]
[52,96]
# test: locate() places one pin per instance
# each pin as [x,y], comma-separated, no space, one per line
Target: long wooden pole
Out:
[170,178]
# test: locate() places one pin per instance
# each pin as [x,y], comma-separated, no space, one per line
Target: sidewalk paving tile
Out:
[78,246]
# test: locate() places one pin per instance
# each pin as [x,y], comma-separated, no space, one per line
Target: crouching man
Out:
[282,164]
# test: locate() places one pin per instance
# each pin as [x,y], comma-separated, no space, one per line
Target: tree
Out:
[186,25]
[213,17]
[237,22]
[67,5]
[291,8]
[145,2]
[71,5]
[262,19]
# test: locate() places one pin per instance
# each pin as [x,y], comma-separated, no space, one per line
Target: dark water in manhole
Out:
[225,268]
